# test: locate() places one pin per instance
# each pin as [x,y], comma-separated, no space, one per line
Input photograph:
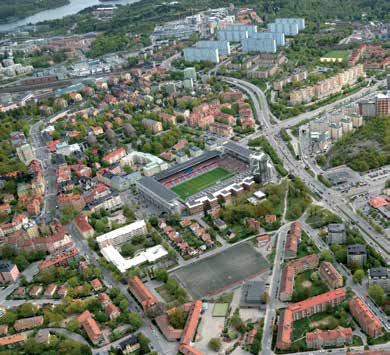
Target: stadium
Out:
[201,182]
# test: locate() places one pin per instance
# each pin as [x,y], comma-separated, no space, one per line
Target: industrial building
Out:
[222,46]
[195,54]
[267,45]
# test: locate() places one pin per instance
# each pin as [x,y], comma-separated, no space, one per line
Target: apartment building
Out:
[152,125]
[369,323]
[330,275]
[338,337]
[141,293]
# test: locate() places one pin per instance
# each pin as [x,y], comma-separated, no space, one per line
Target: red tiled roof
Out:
[316,300]
[329,334]
[141,292]
[12,339]
[377,202]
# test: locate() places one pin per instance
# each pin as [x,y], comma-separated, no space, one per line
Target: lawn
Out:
[319,320]
[199,183]
[220,309]
[344,54]
[304,287]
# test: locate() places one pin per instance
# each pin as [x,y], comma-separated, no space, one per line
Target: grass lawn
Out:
[220,309]
[192,240]
[199,183]
[304,287]
[338,54]
[319,320]
[306,246]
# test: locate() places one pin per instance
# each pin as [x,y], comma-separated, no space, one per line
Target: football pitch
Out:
[199,183]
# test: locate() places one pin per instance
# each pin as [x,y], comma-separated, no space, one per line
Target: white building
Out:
[121,235]
[150,255]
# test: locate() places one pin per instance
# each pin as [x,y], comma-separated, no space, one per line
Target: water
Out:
[73,7]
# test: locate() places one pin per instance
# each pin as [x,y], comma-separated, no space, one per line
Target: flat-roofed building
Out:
[356,254]
[121,235]
[379,276]
[336,233]
[157,194]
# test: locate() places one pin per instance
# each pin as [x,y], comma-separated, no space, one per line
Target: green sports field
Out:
[344,54]
[220,309]
[199,183]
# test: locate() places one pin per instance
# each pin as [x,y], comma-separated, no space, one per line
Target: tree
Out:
[73,325]
[264,298]
[123,304]
[215,344]
[9,318]
[358,276]
[326,255]
[177,318]
[135,321]
[144,343]
[27,310]
[377,293]
[161,275]
[153,220]
[127,250]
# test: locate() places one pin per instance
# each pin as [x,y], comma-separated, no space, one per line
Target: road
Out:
[331,199]
[43,156]
[270,314]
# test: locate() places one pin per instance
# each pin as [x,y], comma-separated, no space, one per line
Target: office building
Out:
[194,54]
[261,167]
[222,46]
[267,45]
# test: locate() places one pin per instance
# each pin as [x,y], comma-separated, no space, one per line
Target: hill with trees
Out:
[366,148]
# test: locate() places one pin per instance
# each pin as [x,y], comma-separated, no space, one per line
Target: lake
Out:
[73,7]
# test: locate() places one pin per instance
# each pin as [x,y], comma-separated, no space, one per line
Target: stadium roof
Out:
[238,149]
[157,188]
[179,167]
